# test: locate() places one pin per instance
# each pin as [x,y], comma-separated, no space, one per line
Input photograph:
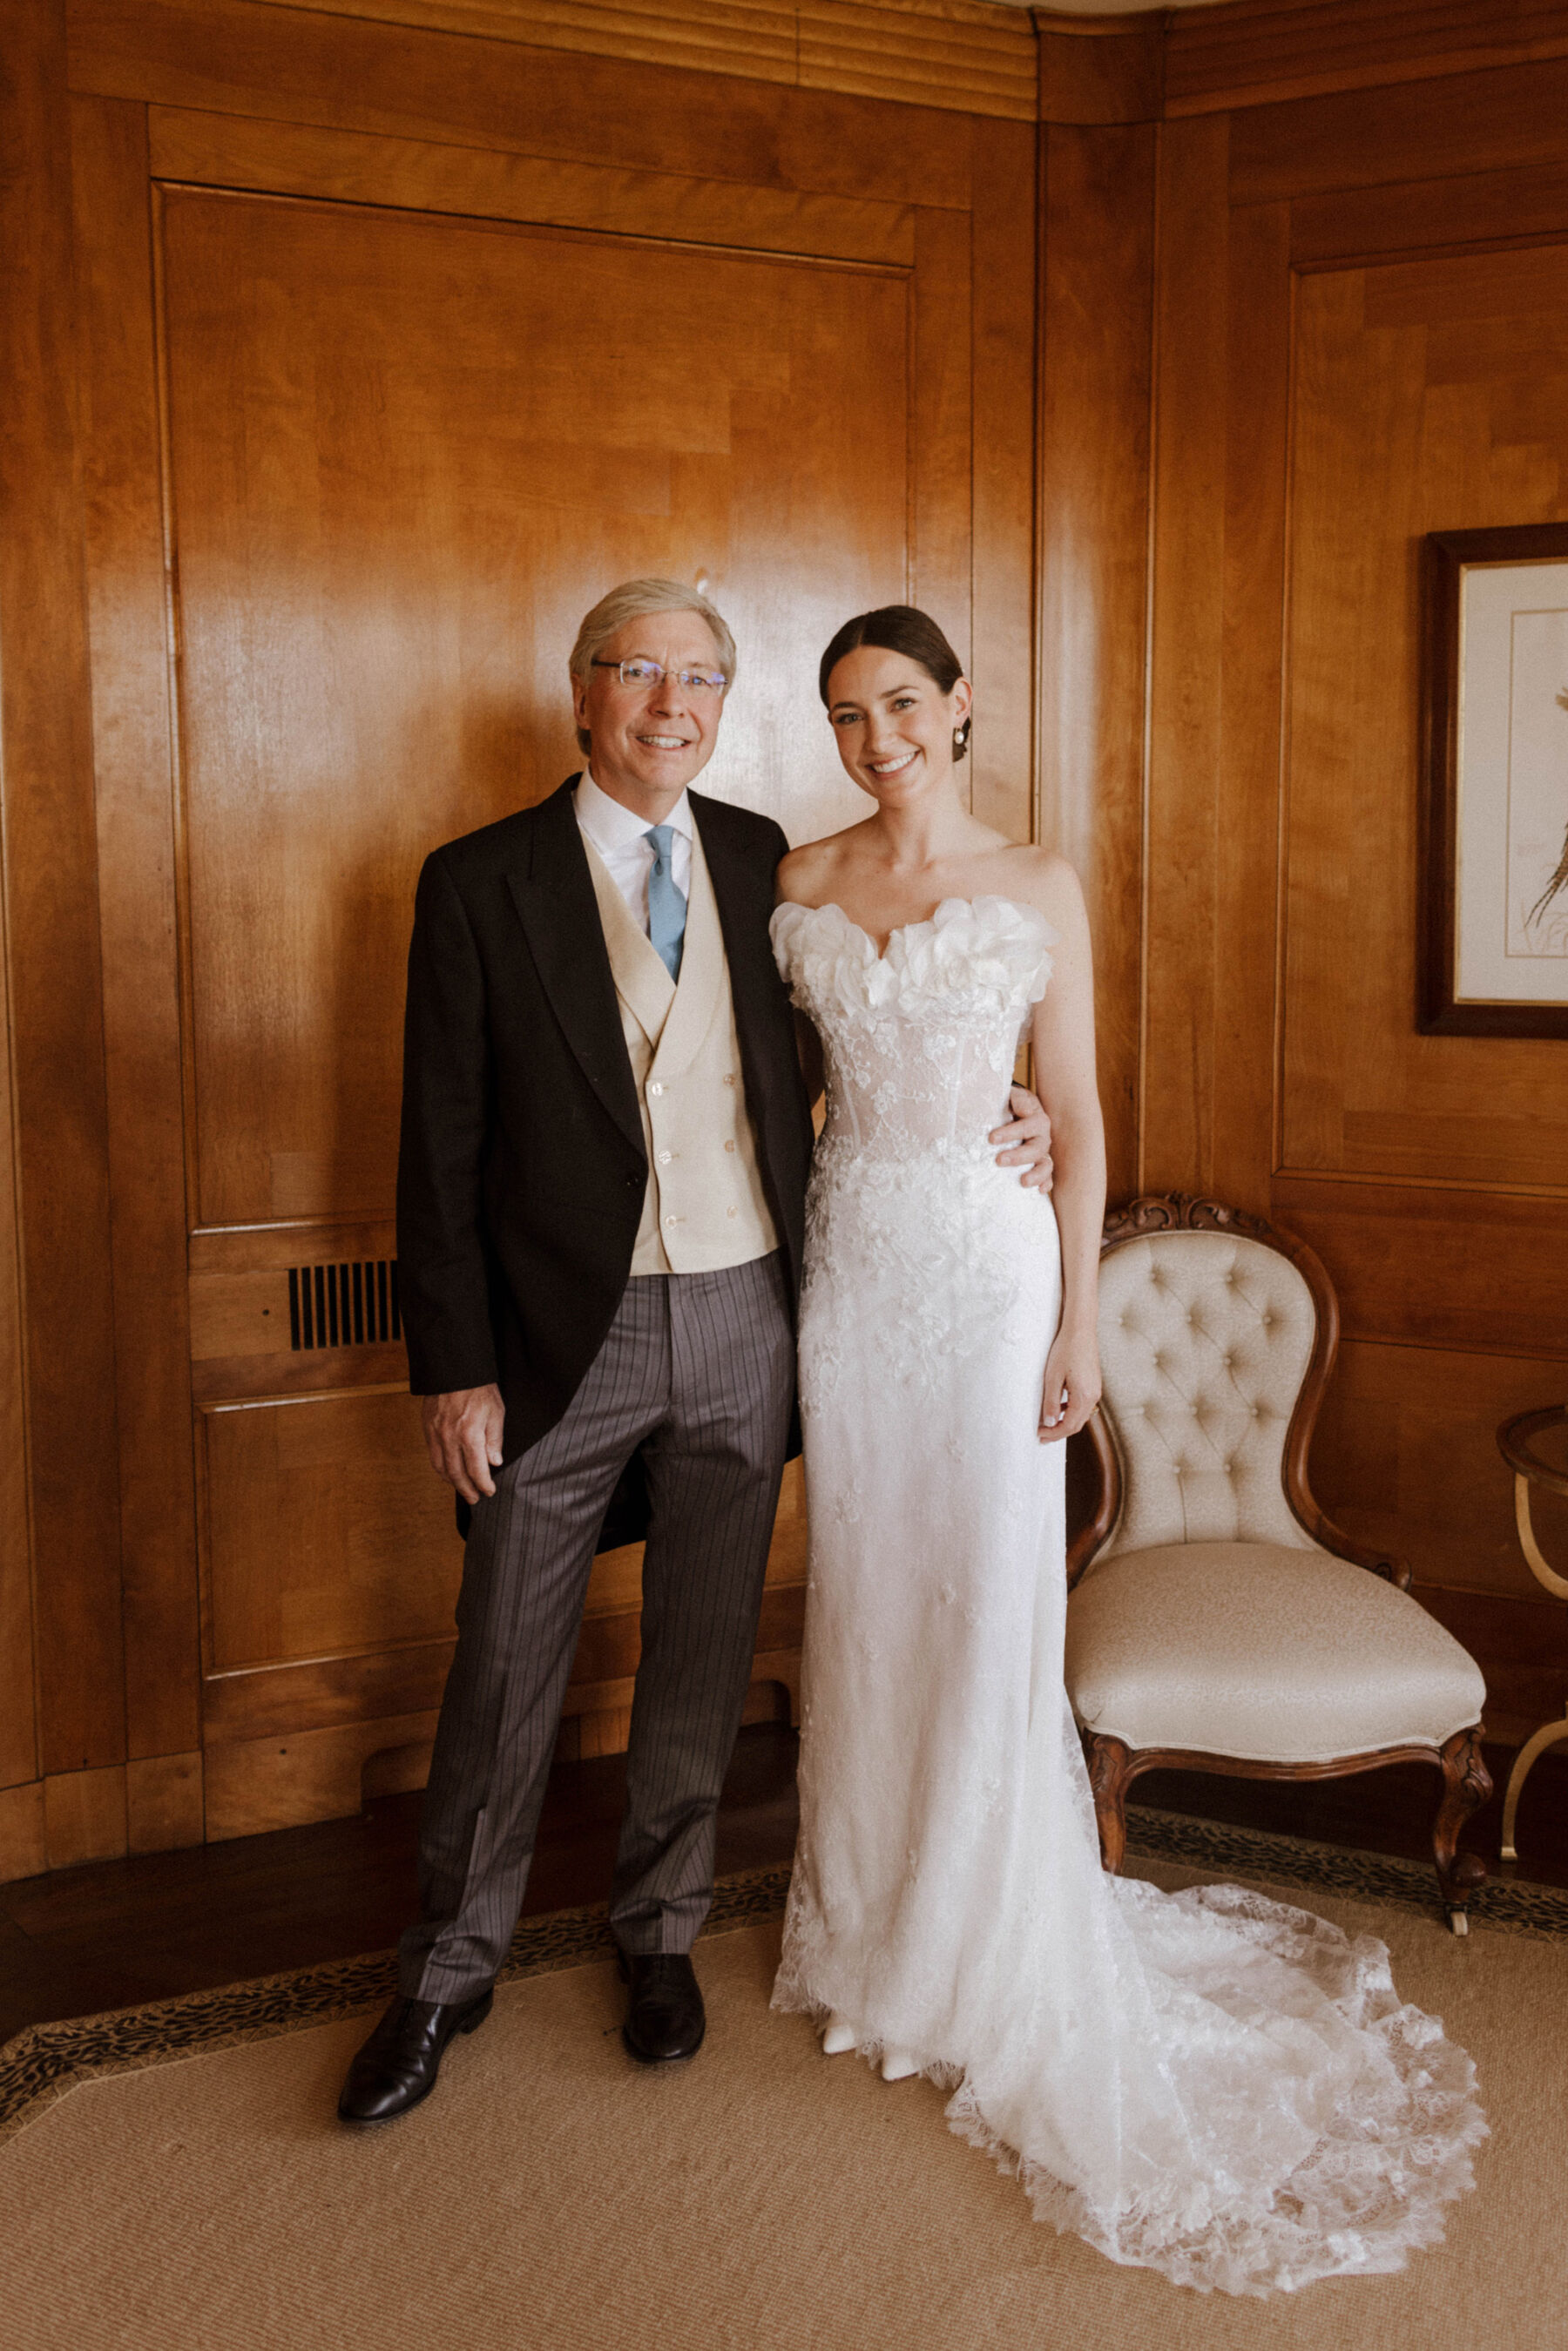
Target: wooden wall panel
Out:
[1387,272]
[1407,1459]
[941,393]
[1436,1266]
[439,440]
[1258,349]
[1003,283]
[129,621]
[1097,334]
[326,1532]
[1187,913]
[355,167]
[1244,53]
[55,996]
[1430,395]
[1510,119]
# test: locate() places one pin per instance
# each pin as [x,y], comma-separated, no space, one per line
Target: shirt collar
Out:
[609,824]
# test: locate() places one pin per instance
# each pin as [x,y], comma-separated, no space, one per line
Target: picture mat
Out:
[1512,785]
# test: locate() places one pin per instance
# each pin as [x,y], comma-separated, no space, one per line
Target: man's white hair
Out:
[633,601]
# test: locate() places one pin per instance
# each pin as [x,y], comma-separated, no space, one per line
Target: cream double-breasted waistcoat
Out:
[705,1206]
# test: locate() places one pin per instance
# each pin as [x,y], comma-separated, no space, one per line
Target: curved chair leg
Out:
[1467,1784]
[1108,1761]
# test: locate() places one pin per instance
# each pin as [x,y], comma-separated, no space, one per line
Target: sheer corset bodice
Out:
[920,1041]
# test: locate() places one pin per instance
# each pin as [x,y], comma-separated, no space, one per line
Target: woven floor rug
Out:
[553,2195]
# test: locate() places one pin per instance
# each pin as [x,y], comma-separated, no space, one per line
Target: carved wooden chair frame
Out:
[1113,1766]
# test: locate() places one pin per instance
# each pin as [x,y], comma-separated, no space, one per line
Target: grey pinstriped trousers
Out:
[698,1369]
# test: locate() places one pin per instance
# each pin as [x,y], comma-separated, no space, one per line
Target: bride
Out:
[1207,2083]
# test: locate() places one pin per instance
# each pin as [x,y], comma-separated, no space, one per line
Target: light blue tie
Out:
[666,907]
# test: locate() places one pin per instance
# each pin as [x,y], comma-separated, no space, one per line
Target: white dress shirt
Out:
[621,837]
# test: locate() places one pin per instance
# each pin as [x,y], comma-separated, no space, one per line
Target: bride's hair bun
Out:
[900,629]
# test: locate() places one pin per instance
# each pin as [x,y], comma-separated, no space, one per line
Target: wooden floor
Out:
[119,1932]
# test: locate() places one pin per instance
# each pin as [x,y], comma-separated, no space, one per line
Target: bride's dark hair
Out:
[899,629]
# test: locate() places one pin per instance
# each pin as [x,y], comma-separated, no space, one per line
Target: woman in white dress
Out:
[1207,2083]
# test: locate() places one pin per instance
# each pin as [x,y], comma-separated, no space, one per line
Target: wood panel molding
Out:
[1513,119]
[955,56]
[1186,917]
[84,1816]
[23,1851]
[128,616]
[1097,357]
[969,56]
[1003,244]
[354,167]
[164,1806]
[1253,53]
[1496,209]
[306,1775]
[276,64]
[52,918]
[1419,1266]
[983,59]
[1101,69]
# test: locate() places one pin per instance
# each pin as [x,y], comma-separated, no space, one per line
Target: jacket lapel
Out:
[553,893]
[744,898]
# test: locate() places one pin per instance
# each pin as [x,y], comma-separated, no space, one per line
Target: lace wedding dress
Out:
[1207,2083]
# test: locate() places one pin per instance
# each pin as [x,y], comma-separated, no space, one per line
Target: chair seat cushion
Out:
[1267,1654]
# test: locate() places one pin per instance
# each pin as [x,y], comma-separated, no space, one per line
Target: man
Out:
[601,1213]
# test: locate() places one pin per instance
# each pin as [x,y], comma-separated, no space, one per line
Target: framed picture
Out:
[1494,840]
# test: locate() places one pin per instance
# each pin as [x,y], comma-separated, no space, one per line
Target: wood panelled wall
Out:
[1286,336]
[1144,349]
[346,360]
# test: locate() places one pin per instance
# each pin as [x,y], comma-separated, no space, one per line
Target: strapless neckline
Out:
[902,930]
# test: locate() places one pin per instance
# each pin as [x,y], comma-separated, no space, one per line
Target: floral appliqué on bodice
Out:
[920,1043]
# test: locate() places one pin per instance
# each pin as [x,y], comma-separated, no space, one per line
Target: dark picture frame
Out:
[1448,556]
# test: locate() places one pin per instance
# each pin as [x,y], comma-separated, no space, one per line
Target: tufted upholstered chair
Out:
[1217,1621]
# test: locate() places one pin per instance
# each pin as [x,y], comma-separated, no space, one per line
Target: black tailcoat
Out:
[521,1170]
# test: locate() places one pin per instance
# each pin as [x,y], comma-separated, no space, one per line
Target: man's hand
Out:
[1026,1139]
[463,1431]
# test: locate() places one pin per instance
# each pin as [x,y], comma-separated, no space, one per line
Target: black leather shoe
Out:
[664,2017]
[398,2065]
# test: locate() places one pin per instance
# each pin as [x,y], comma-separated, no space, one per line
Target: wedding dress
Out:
[1209,2083]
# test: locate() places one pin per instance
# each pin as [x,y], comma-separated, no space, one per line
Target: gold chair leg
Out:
[1548,1735]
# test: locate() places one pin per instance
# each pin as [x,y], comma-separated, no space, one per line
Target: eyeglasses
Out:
[646,675]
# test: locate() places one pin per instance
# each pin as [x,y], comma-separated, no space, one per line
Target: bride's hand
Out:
[1071,1388]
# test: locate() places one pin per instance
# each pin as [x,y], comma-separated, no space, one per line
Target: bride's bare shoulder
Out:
[1044,878]
[808,876]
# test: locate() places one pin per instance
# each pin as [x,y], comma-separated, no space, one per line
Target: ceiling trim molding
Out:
[1243,53]
[1015,64]
[967,57]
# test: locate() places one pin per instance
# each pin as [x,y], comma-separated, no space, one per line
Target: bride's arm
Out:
[1063,1042]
